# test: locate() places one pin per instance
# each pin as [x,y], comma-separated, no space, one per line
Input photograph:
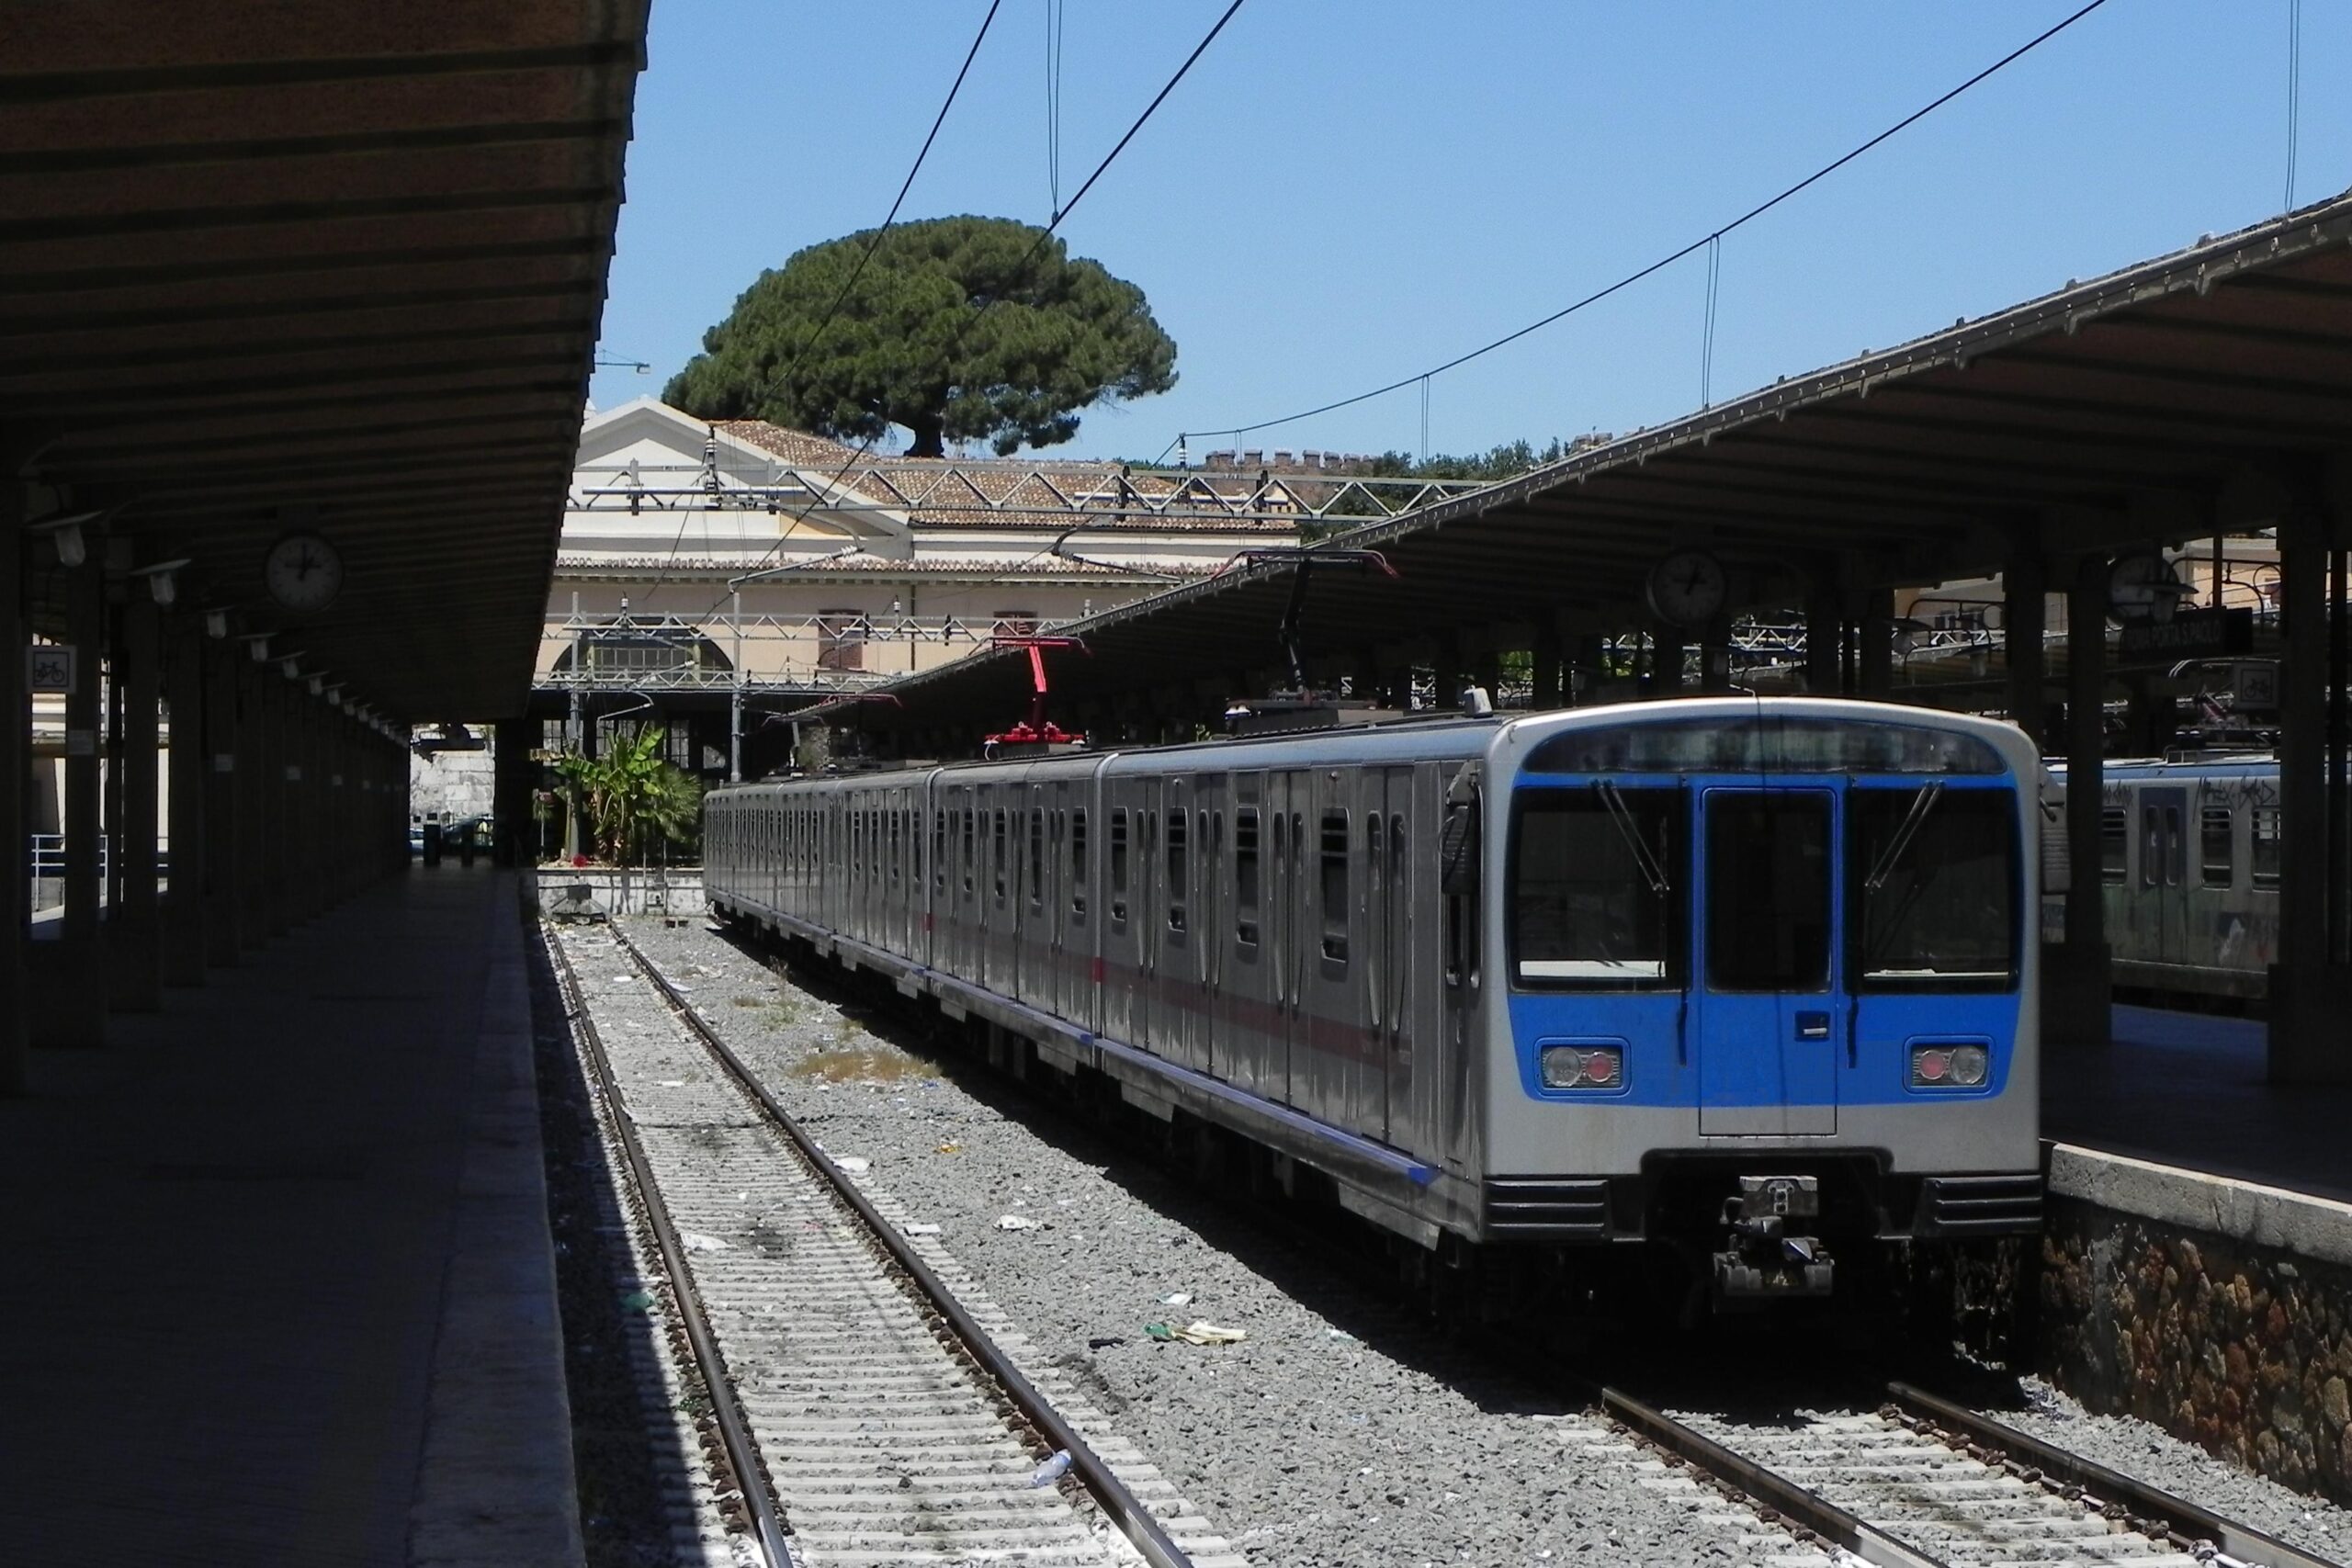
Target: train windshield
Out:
[1935,887]
[1593,891]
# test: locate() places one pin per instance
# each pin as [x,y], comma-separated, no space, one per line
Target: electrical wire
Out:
[1044,237]
[1663,262]
[2294,91]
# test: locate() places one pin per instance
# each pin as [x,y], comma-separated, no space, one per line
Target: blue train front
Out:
[1767,982]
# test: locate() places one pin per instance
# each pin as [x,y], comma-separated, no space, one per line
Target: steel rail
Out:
[1123,1508]
[1797,1504]
[2188,1524]
[735,1432]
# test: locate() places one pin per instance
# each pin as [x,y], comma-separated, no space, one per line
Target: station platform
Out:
[280,1287]
[2187,1089]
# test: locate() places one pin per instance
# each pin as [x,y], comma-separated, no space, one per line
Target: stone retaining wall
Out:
[2220,1311]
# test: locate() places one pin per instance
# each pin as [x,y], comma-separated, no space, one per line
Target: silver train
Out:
[1753,978]
[2188,862]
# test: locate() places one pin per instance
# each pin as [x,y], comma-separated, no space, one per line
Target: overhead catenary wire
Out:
[2294,91]
[964,327]
[1662,262]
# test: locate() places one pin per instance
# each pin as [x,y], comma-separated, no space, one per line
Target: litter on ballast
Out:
[636,1301]
[856,1165]
[1198,1333]
[1052,1470]
[623,980]
[949,1149]
[922,1229]
[1015,1222]
[671,1083]
[1177,1298]
[1342,1334]
[695,1241]
[1105,1342]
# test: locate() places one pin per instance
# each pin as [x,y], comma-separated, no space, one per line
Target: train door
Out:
[1210,898]
[1176,983]
[1288,800]
[2161,896]
[1034,943]
[1242,1011]
[1122,953]
[1768,1019]
[1390,942]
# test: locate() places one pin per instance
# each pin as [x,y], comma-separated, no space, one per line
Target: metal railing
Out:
[47,851]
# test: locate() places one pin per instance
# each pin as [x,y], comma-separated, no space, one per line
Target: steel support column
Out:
[180,929]
[2308,990]
[2024,613]
[136,983]
[16,771]
[1875,679]
[2076,979]
[224,736]
[1544,670]
[246,785]
[74,1013]
[1825,635]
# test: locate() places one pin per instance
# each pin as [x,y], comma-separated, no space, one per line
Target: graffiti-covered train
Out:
[1751,977]
[2190,857]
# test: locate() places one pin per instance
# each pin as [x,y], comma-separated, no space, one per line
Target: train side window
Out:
[1119,867]
[1335,887]
[939,850]
[2217,850]
[1036,859]
[971,849]
[1245,876]
[2152,846]
[1077,861]
[2175,848]
[2266,846]
[2114,838]
[1178,862]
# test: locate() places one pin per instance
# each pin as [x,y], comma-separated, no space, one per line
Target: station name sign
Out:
[2188,634]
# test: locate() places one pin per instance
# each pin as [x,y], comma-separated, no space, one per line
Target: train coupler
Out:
[1764,1261]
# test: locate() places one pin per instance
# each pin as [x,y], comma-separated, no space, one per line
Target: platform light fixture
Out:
[257,643]
[163,580]
[65,533]
[216,624]
[291,666]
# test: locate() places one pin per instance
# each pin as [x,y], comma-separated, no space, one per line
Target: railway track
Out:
[873,1409]
[1922,1482]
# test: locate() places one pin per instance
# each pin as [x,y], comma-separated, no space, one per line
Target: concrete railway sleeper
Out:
[836,1410]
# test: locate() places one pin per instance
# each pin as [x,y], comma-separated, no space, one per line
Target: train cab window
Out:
[2266,841]
[1591,899]
[1934,878]
[1077,863]
[1334,847]
[1768,891]
[1245,876]
[2114,839]
[1036,859]
[2216,845]
[999,857]
[1178,847]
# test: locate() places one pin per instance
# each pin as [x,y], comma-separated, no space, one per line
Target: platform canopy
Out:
[2151,405]
[271,265]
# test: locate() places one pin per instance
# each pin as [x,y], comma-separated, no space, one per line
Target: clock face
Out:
[303,573]
[1687,588]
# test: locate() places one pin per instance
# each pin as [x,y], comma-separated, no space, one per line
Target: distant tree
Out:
[950,332]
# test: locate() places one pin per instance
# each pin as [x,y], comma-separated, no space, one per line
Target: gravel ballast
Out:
[1340,1431]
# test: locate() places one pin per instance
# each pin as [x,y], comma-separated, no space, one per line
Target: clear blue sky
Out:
[1344,194]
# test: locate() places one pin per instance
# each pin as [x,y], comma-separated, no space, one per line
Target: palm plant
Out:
[632,800]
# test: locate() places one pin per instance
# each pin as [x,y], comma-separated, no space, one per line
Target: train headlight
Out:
[1949,1066]
[1583,1067]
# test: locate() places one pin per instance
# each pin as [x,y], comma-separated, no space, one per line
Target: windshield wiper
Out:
[1623,815]
[1889,857]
